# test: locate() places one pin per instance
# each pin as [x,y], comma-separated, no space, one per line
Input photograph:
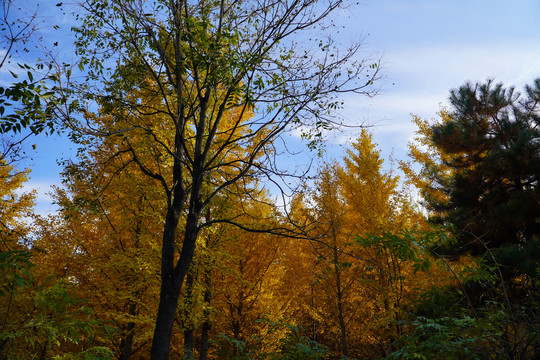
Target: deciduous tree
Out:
[40,314]
[195,61]
[353,286]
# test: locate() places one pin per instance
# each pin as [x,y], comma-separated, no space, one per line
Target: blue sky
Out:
[427,48]
[430,47]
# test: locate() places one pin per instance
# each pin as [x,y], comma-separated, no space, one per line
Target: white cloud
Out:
[42,189]
[44,200]
[449,65]
[422,78]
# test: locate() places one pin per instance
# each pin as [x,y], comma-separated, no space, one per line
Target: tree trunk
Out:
[344,350]
[188,325]
[206,326]
[126,344]
[173,276]
[44,350]
[168,301]
[188,344]
[204,340]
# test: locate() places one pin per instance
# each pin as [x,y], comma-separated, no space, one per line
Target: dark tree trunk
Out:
[3,344]
[341,317]
[173,276]
[188,344]
[206,326]
[126,345]
[44,350]
[187,325]
[168,301]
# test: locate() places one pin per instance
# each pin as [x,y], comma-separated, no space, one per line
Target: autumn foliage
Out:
[340,282]
[348,270]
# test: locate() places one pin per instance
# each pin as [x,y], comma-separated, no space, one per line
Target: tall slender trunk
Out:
[3,344]
[188,325]
[341,317]
[189,339]
[206,326]
[207,273]
[203,353]
[168,301]
[171,284]
[313,319]
[126,344]
[44,350]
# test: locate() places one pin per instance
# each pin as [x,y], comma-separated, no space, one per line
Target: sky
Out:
[426,49]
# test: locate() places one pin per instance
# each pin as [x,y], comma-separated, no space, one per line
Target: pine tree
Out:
[490,145]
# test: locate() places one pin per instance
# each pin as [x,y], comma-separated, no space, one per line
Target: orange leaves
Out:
[345,291]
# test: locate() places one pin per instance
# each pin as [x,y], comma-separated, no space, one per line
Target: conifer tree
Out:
[489,147]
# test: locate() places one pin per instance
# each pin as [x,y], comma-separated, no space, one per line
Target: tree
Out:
[15,257]
[189,63]
[335,273]
[104,239]
[489,146]
[12,35]
[479,173]
[244,281]
[359,269]
[39,314]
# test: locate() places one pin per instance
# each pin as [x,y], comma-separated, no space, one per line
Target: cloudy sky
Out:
[427,47]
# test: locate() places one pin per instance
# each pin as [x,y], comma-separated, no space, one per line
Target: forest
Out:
[177,236]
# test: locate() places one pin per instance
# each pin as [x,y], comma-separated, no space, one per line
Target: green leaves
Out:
[295,346]
[27,104]
[406,246]
[43,314]
[444,338]
[15,271]
[483,164]
[292,346]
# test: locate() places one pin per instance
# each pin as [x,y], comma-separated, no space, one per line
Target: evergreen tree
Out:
[491,142]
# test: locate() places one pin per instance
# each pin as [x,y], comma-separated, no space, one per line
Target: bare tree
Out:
[199,91]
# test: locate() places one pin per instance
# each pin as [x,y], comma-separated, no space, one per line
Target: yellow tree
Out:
[105,239]
[321,277]
[357,285]
[15,256]
[298,280]
[335,273]
[111,215]
[378,209]
[229,283]
[247,280]
[40,315]
[433,175]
